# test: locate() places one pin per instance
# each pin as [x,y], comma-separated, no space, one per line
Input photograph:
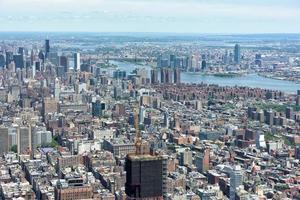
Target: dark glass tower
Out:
[144,177]
[237,54]
[47,48]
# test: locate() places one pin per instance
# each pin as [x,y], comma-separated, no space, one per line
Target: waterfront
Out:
[249,80]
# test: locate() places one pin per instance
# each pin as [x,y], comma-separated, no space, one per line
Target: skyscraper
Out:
[24,139]
[9,57]
[154,76]
[144,177]
[2,60]
[19,61]
[3,140]
[144,172]
[47,48]
[76,61]
[63,61]
[168,76]
[162,75]
[237,54]
[96,109]
[177,76]
[56,90]
[202,161]
[236,180]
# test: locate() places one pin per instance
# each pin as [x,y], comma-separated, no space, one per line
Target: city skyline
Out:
[192,16]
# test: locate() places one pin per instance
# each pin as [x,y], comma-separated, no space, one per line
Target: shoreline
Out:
[278,78]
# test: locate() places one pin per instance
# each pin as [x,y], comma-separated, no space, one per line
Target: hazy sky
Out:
[187,16]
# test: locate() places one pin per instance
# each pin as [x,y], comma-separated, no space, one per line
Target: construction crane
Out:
[138,138]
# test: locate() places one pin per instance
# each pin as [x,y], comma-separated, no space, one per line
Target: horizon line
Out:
[154,32]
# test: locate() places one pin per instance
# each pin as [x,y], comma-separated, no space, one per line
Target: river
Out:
[249,80]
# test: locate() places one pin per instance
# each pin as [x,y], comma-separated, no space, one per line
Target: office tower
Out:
[53,58]
[21,51]
[142,114]
[33,69]
[41,56]
[56,89]
[258,60]
[237,54]
[158,61]
[2,60]
[163,75]
[24,139]
[289,113]
[19,61]
[177,76]
[269,117]
[47,48]
[186,158]
[76,61]
[118,74]
[154,76]
[203,65]
[168,74]
[9,57]
[37,66]
[4,147]
[202,161]
[49,106]
[166,119]
[172,61]
[64,62]
[96,109]
[117,92]
[236,180]
[144,177]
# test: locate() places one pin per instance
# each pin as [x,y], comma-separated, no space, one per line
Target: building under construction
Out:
[144,173]
[144,177]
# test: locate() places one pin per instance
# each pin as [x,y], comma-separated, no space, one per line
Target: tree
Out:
[14,148]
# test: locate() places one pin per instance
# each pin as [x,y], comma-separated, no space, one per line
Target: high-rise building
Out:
[177,76]
[142,114]
[63,61]
[47,48]
[4,147]
[168,76]
[144,177]
[19,61]
[186,158]
[49,106]
[76,61]
[258,60]
[24,139]
[203,65]
[9,57]
[289,113]
[269,117]
[236,180]
[163,75]
[56,90]
[2,60]
[154,76]
[97,109]
[202,161]
[172,61]
[237,54]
